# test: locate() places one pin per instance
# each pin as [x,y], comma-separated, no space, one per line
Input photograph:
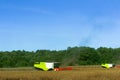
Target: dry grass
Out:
[78,73]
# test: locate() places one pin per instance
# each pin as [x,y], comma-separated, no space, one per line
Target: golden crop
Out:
[78,73]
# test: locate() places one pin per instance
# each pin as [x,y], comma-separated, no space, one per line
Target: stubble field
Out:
[78,73]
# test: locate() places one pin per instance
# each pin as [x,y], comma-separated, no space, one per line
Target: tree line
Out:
[72,56]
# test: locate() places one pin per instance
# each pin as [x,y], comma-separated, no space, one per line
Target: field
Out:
[78,73]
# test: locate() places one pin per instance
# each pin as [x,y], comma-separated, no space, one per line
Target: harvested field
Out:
[78,73]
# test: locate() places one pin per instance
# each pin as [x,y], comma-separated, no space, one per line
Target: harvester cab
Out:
[46,66]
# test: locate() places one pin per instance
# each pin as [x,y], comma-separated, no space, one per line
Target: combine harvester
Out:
[107,65]
[48,66]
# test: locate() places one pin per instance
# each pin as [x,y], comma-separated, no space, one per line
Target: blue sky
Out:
[58,24]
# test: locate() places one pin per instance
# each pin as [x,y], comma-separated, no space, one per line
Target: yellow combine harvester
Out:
[106,65]
[48,66]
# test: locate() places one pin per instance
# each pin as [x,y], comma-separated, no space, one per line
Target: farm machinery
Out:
[106,65]
[48,66]
[55,66]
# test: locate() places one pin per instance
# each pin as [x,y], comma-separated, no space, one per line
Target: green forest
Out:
[72,56]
